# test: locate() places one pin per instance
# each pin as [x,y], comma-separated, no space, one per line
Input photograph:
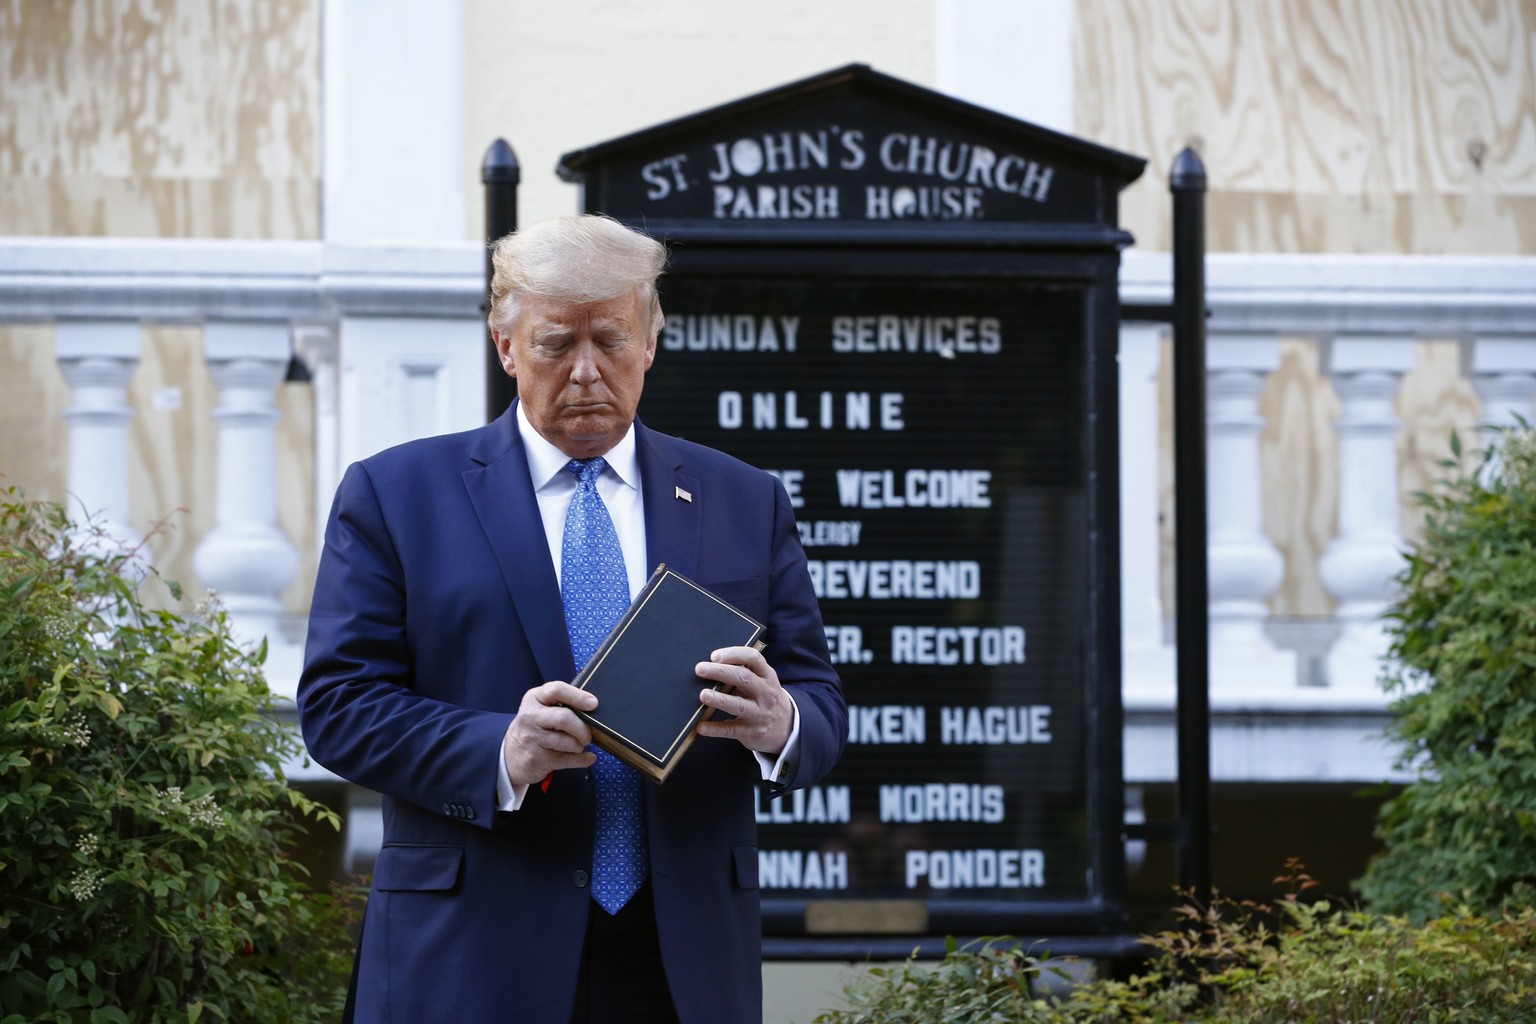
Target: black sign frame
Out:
[1075,252]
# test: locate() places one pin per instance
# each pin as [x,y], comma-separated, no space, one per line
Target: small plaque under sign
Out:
[866,917]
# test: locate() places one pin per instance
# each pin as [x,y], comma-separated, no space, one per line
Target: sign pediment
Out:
[848,147]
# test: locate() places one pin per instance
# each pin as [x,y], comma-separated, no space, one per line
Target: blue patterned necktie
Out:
[594,587]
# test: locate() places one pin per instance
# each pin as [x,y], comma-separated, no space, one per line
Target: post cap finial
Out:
[500,165]
[1188,173]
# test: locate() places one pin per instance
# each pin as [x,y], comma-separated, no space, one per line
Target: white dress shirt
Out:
[619,487]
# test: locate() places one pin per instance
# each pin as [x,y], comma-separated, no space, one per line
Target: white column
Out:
[1147,657]
[1358,565]
[1245,567]
[408,377]
[98,359]
[1504,374]
[245,557]
[394,121]
[1015,58]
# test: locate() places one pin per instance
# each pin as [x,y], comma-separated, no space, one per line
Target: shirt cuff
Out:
[509,797]
[778,770]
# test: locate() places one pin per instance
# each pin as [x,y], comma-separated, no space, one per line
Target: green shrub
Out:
[989,980]
[1239,963]
[144,819]
[1324,965]
[1463,667]
[1336,965]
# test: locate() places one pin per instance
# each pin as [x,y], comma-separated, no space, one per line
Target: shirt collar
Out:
[546,462]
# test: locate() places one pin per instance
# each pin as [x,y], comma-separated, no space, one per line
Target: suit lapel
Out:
[674,503]
[504,502]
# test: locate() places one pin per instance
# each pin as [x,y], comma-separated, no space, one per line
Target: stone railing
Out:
[390,338]
[1295,695]
[393,344]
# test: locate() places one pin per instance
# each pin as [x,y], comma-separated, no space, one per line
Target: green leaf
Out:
[110,704]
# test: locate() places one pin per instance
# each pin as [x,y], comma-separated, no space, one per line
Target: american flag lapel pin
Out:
[683,495]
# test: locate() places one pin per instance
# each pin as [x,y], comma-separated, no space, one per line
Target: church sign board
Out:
[905,307]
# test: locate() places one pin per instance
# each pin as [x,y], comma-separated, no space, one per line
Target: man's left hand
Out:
[764,713]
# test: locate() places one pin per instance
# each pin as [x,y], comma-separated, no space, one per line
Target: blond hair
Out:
[590,258]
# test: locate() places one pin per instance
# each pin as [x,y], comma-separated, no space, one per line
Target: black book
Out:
[643,673]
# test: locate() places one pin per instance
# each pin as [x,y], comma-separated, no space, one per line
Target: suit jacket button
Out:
[469,811]
[580,878]
[448,809]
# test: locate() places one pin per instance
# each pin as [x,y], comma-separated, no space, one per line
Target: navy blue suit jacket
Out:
[436,607]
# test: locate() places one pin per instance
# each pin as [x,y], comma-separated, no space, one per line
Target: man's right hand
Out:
[547,735]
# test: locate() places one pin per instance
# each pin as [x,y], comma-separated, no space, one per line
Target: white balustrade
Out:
[97,359]
[1360,562]
[246,558]
[394,341]
[1245,567]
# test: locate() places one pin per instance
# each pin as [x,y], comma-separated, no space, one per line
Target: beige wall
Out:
[160,118]
[1325,125]
[553,77]
[33,441]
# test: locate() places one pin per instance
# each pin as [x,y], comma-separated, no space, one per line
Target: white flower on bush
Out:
[208,607]
[84,884]
[86,881]
[202,811]
[76,732]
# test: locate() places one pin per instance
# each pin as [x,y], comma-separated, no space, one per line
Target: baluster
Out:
[1358,565]
[1504,374]
[318,346]
[98,359]
[1245,567]
[246,557]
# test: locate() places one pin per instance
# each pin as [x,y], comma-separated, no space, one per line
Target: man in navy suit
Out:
[438,655]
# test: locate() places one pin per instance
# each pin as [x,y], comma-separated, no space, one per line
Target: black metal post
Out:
[1191,579]
[500,174]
